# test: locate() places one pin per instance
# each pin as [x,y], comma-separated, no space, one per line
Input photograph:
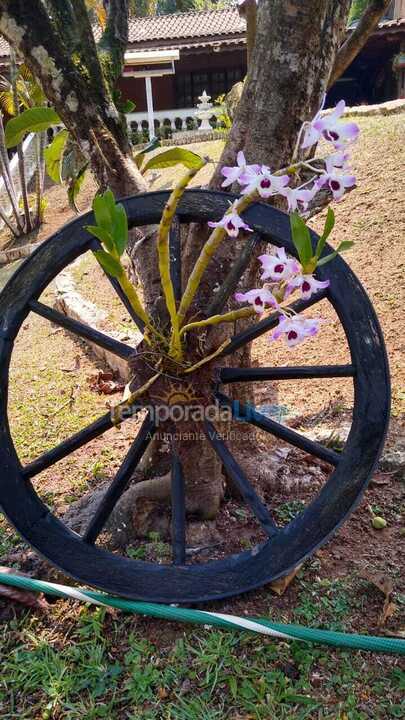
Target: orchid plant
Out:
[282,276]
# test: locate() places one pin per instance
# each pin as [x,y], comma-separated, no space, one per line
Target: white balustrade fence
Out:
[169,121]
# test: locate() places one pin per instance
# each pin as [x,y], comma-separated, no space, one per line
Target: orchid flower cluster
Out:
[284,275]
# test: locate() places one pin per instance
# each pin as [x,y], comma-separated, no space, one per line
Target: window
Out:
[189,86]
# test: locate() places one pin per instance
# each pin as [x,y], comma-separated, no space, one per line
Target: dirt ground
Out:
[45,357]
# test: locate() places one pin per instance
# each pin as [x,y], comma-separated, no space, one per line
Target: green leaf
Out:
[127,106]
[112,220]
[109,200]
[74,186]
[152,145]
[53,156]
[101,209]
[328,227]
[108,263]
[120,229]
[139,158]
[329,223]
[174,156]
[301,238]
[101,234]
[345,245]
[35,119]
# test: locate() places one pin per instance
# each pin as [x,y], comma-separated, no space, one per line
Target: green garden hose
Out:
[213,619]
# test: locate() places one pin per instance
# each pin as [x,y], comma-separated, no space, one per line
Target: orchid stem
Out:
[218,319]
[206,255]
[164,256]
[116,411]
[207,359]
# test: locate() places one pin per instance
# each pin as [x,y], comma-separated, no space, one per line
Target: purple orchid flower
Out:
[233,174]
[259,298]
[307,284]
[264,182]
[332,129]
[298,198]
[338,161]
[232,223]
[278,266]
[295,329]
[337,184]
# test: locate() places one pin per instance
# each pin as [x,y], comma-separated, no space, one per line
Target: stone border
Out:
[71,303]
[194,136]
[13,254]
[392,107]
[187,137]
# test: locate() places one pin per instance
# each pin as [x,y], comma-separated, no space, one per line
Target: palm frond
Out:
[6,101]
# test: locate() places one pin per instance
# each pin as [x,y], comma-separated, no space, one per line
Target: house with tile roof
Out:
[172,59]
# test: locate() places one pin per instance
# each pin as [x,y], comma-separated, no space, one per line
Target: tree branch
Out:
[88,43]
[62,13]
[249,11]
[114,39]
[368,22]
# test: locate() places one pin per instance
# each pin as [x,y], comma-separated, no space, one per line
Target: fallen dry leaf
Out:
[381,582]
[280,586]
[104,384]
[25,597]
[388,611]
[385,585]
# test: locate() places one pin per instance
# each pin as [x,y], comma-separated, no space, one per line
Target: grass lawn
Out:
[74,662]
[82,664]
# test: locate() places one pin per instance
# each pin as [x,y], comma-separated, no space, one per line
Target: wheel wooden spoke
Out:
[65,448]
[269,323]
[250,415]
[303,372]
[175,257]
[96,245]
[121,481]
[81,330]
[231,281]
[239,478]
[178,512]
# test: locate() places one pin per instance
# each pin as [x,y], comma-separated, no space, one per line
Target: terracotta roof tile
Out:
[207,23]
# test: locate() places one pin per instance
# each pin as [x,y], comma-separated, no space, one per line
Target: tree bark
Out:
[357,39]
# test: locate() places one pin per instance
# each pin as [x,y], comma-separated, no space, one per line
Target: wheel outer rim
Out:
[296,541]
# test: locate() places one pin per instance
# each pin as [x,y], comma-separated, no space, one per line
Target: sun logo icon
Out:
[178,395]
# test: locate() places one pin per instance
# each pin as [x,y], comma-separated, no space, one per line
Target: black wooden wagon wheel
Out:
[286,546]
